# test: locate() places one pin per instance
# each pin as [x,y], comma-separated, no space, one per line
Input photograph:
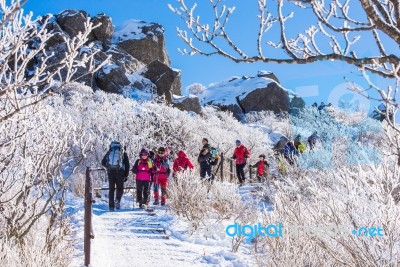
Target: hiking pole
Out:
[157,185]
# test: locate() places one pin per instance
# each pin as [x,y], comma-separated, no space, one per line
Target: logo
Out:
[279,230]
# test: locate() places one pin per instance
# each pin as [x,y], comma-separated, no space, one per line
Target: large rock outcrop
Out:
[134,48]
[144,41]
[121,58]
[241,95]
[187,103]
[270,97]
[166,79]
[104,28]
[73,22]
[112,78]
[267,74]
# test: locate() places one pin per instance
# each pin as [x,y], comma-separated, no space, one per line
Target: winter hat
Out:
[144,151]
[238,142]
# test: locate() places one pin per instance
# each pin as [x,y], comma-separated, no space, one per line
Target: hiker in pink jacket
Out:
[143,168]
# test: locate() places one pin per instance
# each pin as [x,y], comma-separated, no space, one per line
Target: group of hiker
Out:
[152,169]
[289,149]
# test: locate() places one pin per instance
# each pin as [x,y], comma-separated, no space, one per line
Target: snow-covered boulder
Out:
[187,103]
[271,96]
[53,27]
[267,74]
[144,41]
[122,58]
[136,48]
[112,78]
[246,94]
[167,80]
[72,22]
[104,28]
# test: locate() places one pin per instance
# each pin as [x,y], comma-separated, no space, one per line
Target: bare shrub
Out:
[77,184]
[224,200]
[187,195]
[52,248]
[244,213]
[350,198]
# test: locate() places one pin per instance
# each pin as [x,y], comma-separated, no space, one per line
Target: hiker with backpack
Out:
[142,169]
[290,152]
[116,162]
[240,155]
[312,140]
[205,165]
[161,172]
[181,163]
[214,155]
[262,168]
[207,158]
[298,144]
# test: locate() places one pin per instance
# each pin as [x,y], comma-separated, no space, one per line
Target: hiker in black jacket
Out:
[117,164]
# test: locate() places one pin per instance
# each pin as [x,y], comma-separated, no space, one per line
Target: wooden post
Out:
[250,173]
[231,170]
[88,217]
[222,166]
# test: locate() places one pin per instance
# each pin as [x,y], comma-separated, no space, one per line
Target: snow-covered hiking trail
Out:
[128,237]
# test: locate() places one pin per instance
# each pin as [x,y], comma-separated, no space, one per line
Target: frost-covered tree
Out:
[36,140]
[345,190]
[151,124]
[335,33]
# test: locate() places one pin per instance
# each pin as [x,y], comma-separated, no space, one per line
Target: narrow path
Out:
[137,238]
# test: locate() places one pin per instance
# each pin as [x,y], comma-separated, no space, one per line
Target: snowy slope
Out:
[120,240]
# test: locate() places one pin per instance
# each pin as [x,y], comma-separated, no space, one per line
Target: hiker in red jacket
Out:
[161,171]
[262,168]
[241,154]
[181,163]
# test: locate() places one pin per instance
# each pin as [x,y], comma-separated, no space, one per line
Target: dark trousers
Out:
[205,171]
[142,191]
[240,172]
[262,177]
[115,179]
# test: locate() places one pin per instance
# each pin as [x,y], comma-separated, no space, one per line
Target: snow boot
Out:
[156,202]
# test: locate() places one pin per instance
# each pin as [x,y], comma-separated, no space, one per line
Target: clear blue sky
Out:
[315,82]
